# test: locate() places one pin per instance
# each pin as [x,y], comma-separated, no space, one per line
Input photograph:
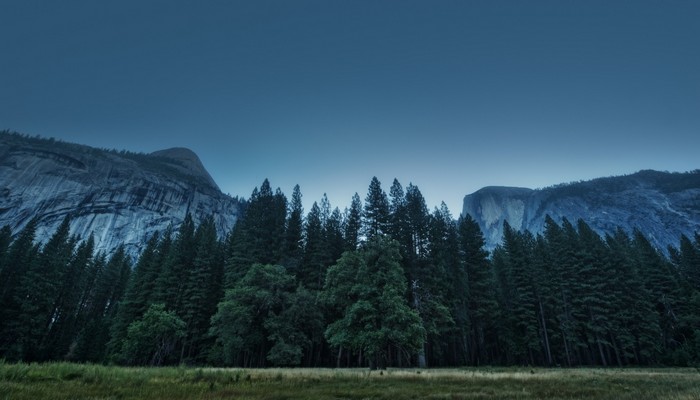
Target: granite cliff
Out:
[118,197]
[661,205]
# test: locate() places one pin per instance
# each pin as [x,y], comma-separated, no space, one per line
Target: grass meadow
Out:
[97,382]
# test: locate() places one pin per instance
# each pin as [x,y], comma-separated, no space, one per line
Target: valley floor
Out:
[76,381]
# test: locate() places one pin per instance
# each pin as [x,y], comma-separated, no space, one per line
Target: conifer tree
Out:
[315,250]
[138,294]
[203,291]
[63,332]
[353,223]
[38,291]
[333,232]
[476,281]
[518,251]
[110,284]
[375,217]
[398,220]
[20,256]
[294,232]
[259,237]
[170,284]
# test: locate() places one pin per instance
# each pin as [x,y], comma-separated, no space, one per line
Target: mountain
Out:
[661,205]
[119,197]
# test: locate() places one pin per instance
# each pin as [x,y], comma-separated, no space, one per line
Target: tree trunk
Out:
[546,335]
[340,355]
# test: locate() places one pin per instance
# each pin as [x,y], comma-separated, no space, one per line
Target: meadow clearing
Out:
[97,382]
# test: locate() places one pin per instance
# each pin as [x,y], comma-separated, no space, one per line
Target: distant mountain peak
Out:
[662,205]
[186,161]
[119,197]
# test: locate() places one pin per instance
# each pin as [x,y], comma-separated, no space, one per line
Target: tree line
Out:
[383,283]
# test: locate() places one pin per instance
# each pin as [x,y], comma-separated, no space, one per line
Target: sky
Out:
[448,95]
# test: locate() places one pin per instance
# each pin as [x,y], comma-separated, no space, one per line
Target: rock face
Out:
[119,197]
[661,205]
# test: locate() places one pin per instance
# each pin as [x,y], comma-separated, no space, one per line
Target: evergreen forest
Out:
[384,283]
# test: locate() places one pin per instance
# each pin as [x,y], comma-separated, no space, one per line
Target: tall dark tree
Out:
[353,223]
[259,237]
[203,291]
[138,294]
[20,257]
[109,288]
[315,250]
[38,291]
[375,216]
[398,218]
[479,293]
[170,285]
[69,319]
[333,231]
[294,240]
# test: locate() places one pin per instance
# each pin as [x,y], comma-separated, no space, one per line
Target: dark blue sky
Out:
[449,95]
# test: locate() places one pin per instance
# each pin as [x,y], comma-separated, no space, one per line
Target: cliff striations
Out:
[661,205]
[118,197]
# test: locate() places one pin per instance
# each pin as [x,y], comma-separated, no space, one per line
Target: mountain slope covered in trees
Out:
[663,205]
[385,282]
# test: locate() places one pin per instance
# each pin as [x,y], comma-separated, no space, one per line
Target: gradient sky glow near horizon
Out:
[449,95]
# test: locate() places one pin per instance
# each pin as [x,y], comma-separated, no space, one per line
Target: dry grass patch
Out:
[73,381]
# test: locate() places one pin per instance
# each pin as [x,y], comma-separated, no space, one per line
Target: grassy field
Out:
[73,381]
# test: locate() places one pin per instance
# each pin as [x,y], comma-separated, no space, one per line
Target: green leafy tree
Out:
[376,315]
[259,320]
[152,339]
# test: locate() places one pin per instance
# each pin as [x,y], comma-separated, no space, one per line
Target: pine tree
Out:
[170,284]
[333,232]
[137,294]
[294,232]
[203,291]
[20,257]
[398,220]
[476,282]
[663,284]
[63,332]
[688,262]
[353,224]
[375,217]
[518,250]
[444,254]
[110,284]
[635,337]
[38,292]
[259,236]
[315,250]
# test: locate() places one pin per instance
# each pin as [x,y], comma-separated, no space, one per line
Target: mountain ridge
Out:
[119,197]
[662,205]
